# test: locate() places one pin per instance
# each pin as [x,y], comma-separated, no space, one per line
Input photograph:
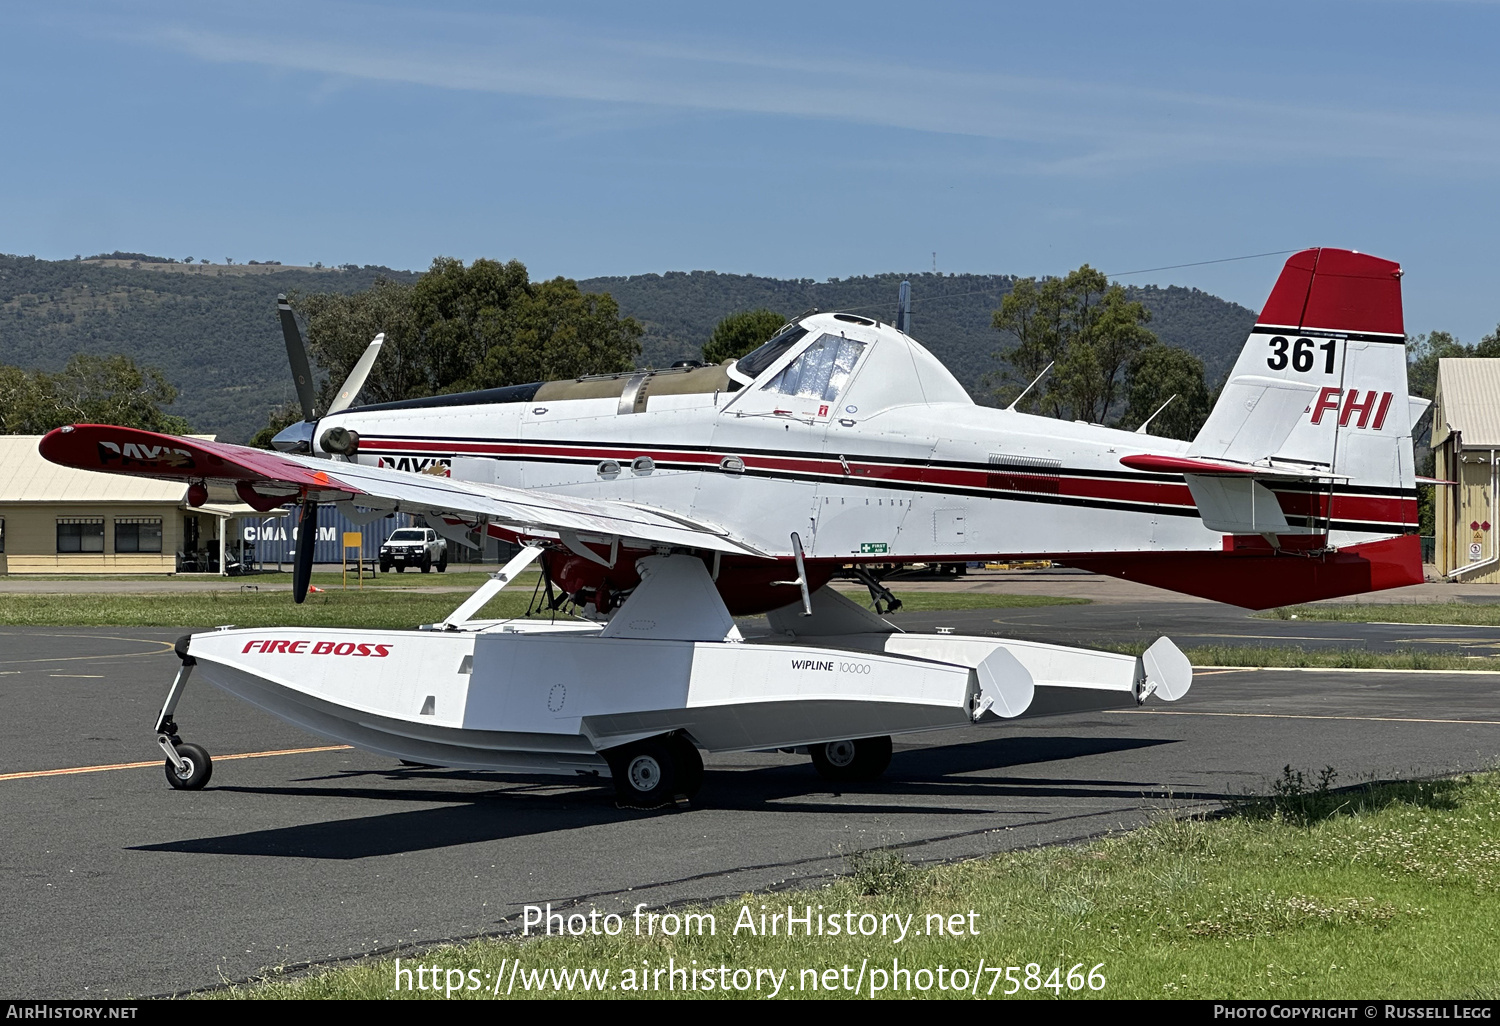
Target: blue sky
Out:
[784,139]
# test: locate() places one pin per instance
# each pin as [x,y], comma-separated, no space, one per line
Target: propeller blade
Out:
[296,354]
[356,379]
[307,540]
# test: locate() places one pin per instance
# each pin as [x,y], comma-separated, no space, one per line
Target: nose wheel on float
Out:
[191,769]
[188,765]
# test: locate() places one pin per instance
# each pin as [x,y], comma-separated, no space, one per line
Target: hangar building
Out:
[57,520]
[1466,447]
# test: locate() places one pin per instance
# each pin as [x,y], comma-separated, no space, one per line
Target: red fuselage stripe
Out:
[1070,483]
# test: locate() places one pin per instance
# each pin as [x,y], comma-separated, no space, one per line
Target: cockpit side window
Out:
[754,363]
[821,370]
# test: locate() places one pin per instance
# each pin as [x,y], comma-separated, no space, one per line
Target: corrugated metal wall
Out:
[274,538]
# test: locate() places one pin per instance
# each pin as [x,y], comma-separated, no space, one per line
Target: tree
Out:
[282,416]
[89,390]
[1094,367]
[340,326]
[1422,355]
[740,333]
[1089,329]
[1156,375]
[555,330]
[461,328]
[20,403]
[1035,316]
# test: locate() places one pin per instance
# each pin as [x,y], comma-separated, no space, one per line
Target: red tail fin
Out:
[1336,290]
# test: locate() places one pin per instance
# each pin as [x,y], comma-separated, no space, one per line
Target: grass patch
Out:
[373,608]
[1308,891]
[454,578]
[386,606]
[1294,657]
[1477,614]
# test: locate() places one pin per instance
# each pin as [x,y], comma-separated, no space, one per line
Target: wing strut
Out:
[801,580]
[490,588]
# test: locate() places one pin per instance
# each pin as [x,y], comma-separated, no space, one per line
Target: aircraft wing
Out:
[268,479]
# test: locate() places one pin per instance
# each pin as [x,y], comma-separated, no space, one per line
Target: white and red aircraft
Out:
[666,502]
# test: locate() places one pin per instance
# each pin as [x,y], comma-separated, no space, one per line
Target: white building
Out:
[1466,443]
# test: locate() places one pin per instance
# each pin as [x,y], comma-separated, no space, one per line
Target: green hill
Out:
[950,313]
[212,329]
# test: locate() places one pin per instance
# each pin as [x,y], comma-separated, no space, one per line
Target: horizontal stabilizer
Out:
[1234,498]
[1219,468]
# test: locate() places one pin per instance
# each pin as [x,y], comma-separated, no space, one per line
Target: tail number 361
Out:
[1301,354]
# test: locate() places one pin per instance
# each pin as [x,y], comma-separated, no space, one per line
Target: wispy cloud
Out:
[1059,125]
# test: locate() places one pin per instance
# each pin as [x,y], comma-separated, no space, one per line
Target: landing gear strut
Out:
[880,595]
[188,765]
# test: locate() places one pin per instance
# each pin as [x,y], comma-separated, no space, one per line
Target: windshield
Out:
[752,364]
[407,534]
[821,371]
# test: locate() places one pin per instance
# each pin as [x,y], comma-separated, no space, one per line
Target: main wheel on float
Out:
[652,772]
[861,759]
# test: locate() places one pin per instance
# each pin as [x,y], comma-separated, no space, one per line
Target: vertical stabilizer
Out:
[1320,389]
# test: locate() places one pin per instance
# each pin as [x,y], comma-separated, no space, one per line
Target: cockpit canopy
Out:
[850,360]
[830,361]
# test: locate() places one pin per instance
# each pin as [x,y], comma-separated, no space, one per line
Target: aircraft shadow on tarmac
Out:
[539,805]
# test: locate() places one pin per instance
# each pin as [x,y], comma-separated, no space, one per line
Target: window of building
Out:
[821,371]
[138,534]
[80,534]
[2,536]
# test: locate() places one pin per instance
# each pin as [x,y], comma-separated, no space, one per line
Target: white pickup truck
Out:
[414,546]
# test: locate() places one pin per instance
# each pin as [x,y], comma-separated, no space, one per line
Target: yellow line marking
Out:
[1295,716]
[158,762]
[166,646]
